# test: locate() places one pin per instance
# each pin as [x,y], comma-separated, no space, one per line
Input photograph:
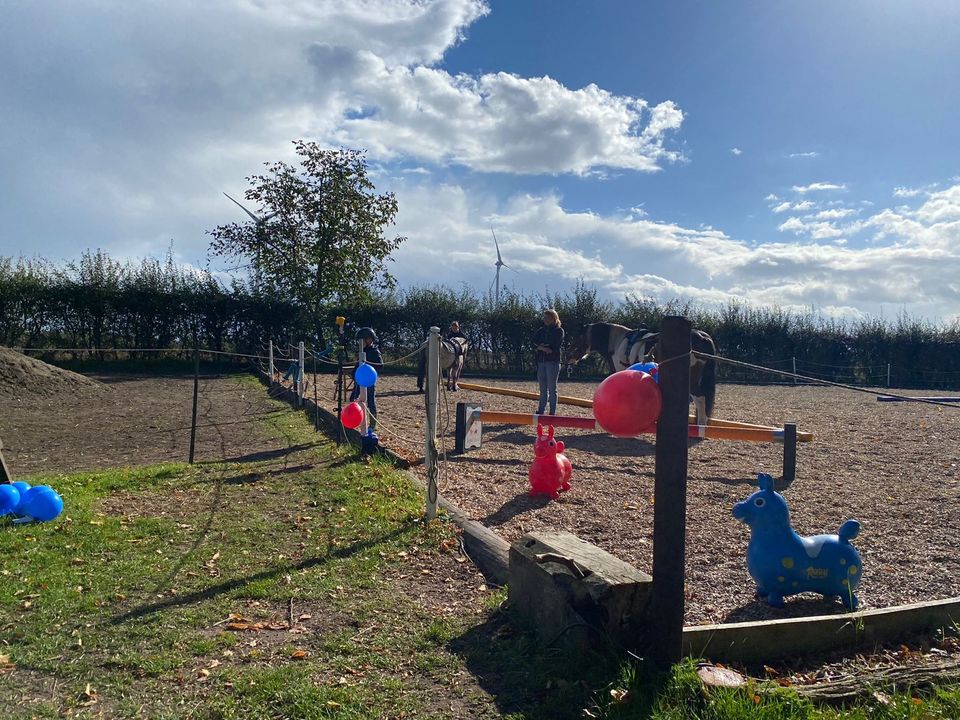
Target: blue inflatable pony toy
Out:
[783,563]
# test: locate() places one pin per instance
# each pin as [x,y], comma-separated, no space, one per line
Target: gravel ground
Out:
[893,466]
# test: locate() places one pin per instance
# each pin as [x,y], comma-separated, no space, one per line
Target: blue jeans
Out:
[547,375]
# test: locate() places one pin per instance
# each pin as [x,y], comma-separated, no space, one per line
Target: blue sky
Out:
[802,154]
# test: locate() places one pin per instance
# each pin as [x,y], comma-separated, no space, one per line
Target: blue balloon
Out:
[9,499]
[23,487]
[651,368]
[42,503]
[365,375]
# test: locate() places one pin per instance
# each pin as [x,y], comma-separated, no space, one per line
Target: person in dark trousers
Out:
[548,341]
[375,359]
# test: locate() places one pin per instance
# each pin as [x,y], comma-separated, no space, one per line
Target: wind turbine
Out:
[499,264]
[260,223]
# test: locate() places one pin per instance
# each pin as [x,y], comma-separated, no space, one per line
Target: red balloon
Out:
[627,403]
[352,415]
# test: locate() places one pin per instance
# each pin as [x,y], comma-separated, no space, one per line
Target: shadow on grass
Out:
[218,589]
[266,454]
[532,680]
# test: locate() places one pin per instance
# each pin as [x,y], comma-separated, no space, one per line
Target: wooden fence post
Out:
[670,493]
[432,397]
[271,370]
[301,376]
[196,390]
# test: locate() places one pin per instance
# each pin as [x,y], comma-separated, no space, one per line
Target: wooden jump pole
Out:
[670,494]
[710,432]
[526,394]
[692,420]
[930,398]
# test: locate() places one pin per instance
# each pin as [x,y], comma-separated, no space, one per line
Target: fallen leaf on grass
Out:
[6,664]
[299,655]
[620,696]
[202,675]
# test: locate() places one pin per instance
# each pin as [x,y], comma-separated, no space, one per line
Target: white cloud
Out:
[905,192]
[800,206]
[736,151]
[915,264]
[771,198]
[810,154]
[835,214]
[812,187]
[500,122]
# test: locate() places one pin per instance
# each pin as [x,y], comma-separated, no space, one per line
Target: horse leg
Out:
[421,369]
[611,366]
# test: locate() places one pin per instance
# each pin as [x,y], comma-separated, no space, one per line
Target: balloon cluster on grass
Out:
[25,503]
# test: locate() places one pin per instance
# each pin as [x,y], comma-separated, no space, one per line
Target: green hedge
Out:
[98,302]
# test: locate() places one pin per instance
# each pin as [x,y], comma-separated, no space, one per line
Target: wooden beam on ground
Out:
[5,477]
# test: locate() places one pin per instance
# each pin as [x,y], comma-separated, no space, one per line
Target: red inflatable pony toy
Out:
[551,469]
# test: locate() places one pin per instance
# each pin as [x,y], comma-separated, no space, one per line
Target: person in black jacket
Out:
[548,341]
[374,358]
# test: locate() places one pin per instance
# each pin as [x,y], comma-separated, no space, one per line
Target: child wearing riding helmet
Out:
[374,358]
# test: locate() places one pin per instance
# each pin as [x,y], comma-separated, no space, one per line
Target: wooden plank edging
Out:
[765,640]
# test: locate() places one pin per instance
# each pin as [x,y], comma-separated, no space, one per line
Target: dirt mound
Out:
[23,376]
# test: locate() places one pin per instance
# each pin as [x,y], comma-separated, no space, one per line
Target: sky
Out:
[801,154]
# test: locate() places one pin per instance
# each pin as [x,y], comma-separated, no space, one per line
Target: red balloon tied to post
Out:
[627,403]
[352,415]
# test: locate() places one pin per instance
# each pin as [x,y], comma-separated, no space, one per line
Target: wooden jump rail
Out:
[891,398]
[526,394]
[741,431]
[469,430]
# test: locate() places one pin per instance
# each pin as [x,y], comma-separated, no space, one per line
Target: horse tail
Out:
[708,378]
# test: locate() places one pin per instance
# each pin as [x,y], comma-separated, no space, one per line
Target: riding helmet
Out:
[366,332]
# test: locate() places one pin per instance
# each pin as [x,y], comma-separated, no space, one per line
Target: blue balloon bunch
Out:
[40,503]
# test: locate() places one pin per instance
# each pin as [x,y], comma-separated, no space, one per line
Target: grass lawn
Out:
[300,585]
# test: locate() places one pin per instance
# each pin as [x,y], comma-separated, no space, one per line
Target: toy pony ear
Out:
[551,431]
[765,481]
[539,431]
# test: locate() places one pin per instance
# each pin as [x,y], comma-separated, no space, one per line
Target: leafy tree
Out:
[319,236]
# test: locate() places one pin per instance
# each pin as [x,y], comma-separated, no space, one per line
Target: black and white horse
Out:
[621,347]
[453,353]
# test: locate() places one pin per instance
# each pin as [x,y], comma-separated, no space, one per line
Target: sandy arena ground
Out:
[893,466]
